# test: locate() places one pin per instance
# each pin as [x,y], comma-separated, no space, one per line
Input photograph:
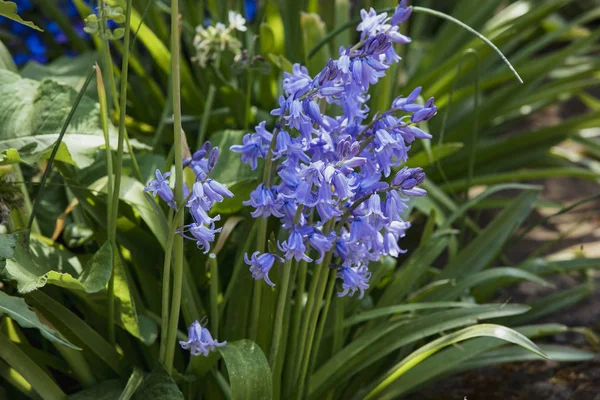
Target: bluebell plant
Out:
[204,194]
[334,193]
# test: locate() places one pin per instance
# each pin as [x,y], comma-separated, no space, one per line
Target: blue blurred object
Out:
[28,44]
[250,7]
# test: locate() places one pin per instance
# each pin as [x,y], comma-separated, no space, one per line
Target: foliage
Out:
[87,272]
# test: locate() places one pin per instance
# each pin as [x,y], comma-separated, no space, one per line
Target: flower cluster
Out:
[335,194]
[214,40]
[205,193]
[200,341]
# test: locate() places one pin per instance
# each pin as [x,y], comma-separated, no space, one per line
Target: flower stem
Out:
[118,165]
[166,286]
[178,240]
[321,328]
[214,294]
[279,314]
[296,320]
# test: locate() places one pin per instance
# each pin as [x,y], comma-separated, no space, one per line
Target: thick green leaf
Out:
[382,340]
[158,385]
[134,382]
[8,9]
[6,60]
[66,70]
[454,290]
[17,309]
[490,330]
[423,159]
[32,267]
[125,305]
[453,359]
[8,242]
[515,354]
[248,370]
[488,243]
[107,390]
[75,329]
[34,113]
[313,31]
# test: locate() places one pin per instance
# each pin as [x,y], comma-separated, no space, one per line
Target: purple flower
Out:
[161,187]
[354,279]
[265,203]
[200,341]
[294,247]
[215,191]
[204,235]
[260,265]
[252,149]
[318,241]
[407,180]
[401,14]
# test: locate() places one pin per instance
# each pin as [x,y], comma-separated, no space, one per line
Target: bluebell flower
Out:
[252,149]
[215,191]
[202,234]
[402,13]
[200,341]
[354,279]
[408,179]
[318,241]
[161,187]
[265,203]
[294,247]
[260,265]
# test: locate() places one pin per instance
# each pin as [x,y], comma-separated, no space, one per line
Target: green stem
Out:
[206,115]
[63,130]
[118,165]
[78,364]
[257,290]
[312,323]
[279,314]
[214,294]
[295,328]
[322,322]
[248,100]
[177,132]
[33,374]
[166,286]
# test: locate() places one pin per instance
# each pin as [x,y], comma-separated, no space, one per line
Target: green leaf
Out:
[8,9]
[7,247]
[66,70]
[17,309]
[515,354]
[6,60]
[31,267]
[383,339]
[125,305]
[248,370]
[134,382]
[423,159]
[107,390]
[484,248]
[490,330]
[158,385]
[454,359]
[34,113]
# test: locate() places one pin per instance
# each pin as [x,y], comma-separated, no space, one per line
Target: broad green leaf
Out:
[31,267]
[8,242]
[125,305]
[43,384]
[8,9]
[454,359]
[455,289]
[490,330]
[515,354]
[107,390]
[17,309]
[9,156]
[75,329]
[403,308]
[66,70]
[6,60]
[158,385]
[484,248]
[382,340]
[248,370]
[33,115]
[33,262]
